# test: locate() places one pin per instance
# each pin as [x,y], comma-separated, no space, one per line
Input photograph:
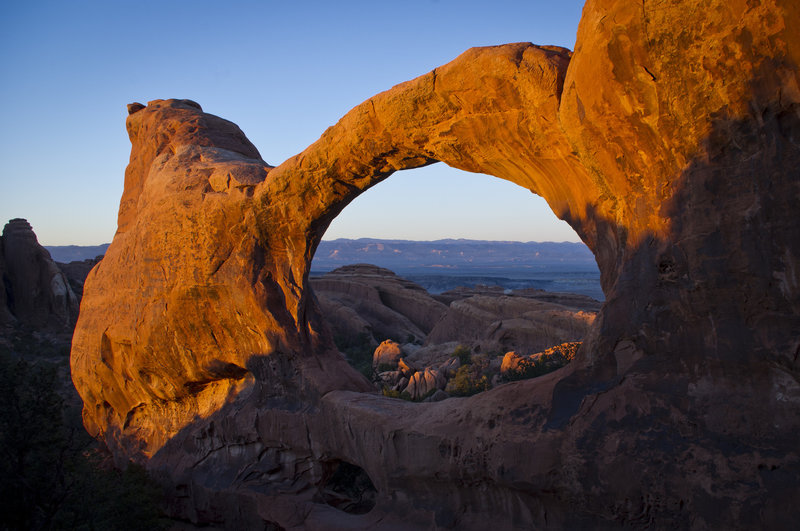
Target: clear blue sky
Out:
[283,71]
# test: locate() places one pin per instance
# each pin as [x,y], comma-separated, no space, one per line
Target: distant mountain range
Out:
[72,253]
[441,265]
[446,256]
[455,256]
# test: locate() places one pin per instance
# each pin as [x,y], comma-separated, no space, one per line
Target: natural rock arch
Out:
[668,141]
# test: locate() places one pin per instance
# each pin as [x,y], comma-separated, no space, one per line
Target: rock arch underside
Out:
[669,140]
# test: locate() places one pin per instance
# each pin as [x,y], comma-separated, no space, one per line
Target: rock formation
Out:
[388,353]
[365,305]
[77,271]
[508,322]
[668,140]
[363,300]
[6,317]
[425,382]
[34,293]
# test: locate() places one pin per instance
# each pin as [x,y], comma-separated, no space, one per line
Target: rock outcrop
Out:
[668,140]
[6,317]
[77,271]
[365,305]
[508,322]
[424,383]
[388,353]
[34,292]
[365,301]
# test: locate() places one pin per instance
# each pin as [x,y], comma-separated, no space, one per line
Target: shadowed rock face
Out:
[668,140]
[34,292]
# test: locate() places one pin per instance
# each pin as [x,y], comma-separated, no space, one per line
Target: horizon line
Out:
[367,238]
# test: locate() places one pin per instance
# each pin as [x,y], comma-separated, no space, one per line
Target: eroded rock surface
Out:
[668,140]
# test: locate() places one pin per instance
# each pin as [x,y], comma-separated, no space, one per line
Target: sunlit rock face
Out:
[668,140]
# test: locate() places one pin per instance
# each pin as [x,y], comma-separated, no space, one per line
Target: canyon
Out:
[669,140]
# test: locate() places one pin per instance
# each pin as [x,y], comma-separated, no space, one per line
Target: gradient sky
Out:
[283,71]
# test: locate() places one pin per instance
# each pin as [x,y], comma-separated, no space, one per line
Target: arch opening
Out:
[348,487]
[426,310]
[441,204]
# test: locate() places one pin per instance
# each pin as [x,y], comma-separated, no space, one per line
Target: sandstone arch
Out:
[668,140]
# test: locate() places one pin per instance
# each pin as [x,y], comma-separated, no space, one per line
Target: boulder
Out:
[387,353]
[511,362]
[422,383]
[437,396]
[390,379]
[404,368]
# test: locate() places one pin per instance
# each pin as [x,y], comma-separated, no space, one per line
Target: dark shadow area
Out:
[54,474]
[348,488]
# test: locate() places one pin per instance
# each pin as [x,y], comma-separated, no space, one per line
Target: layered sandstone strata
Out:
[668,140]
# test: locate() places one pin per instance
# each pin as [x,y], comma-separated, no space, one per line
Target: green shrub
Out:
[552,359]
[463,353]
[358,352]
[391,393]
[528,370]
[467,382]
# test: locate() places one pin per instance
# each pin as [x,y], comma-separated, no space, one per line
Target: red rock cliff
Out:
[668,140]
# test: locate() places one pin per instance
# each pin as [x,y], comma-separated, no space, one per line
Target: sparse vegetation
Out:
[468,381]
[528,370]
[391,393]
[463,353]
[358,352]
[551,359]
